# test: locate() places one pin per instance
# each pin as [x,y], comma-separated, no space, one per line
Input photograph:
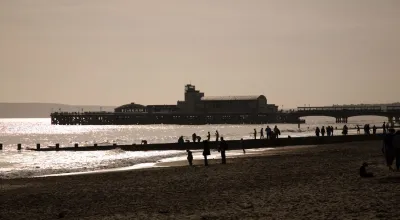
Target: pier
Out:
[341,115]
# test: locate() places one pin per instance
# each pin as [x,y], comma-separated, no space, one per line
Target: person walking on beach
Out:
[190,157]
[323,131]
[384,127]
[255,134]
[194,137]
[374,130]
[345,130]
[242,144]
[268,131]
[216,136]
[223,146]
[388,149]
[262,133]
[396,145]
[317,131]
[208,136]
[206,152]
[277,132]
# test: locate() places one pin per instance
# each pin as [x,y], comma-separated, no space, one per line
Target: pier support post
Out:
[1,146]
[19,147]
[341,120]
[76,145]
[37,146]
[57,146]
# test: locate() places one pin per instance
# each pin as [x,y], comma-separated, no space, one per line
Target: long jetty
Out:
[233,144]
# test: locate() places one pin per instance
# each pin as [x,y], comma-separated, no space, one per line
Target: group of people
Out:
[270,133]
[222,148]
[321,132]
[391,151]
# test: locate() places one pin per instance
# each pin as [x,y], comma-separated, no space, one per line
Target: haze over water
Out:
[28,132]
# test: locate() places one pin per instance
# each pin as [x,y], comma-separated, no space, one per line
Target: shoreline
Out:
[319,182]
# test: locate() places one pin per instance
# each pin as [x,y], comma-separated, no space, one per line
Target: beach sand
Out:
[319,182]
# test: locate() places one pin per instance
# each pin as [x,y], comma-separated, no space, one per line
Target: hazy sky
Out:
[112,52]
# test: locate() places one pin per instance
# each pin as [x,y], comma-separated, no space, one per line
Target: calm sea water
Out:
[28,132]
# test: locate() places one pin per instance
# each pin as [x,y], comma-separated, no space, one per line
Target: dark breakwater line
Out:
[233,144]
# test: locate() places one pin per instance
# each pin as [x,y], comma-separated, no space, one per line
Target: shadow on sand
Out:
[390,179]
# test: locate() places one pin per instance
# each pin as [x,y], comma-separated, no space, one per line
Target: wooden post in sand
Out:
[19,147]
[76,145]
[37,146]
[1,146]
[57,146]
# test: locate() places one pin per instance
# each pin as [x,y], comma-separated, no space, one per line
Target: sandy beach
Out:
[314,182]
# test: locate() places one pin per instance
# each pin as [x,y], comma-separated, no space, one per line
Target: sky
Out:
[296,53]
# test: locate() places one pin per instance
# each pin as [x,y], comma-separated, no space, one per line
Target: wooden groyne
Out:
[233,144]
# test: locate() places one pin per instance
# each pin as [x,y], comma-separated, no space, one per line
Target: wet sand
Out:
[287,183]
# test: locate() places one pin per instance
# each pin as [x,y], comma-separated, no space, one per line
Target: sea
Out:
[29,132]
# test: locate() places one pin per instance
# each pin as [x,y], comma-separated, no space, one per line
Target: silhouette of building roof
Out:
[131,105]
[230,98]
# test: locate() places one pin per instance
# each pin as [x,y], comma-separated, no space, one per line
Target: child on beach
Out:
[363,171]
[190,157]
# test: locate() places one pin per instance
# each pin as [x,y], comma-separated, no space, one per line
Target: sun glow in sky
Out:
[317,52]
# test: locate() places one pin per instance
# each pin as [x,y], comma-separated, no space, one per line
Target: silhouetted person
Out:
[384,127]
[328,131]
[242,144]
[216,136]
[396,145]
[317,131]
[208,136]
[180,140]
[363,171]
[190,157]
[194,137]
[388,149]
[262,133]
[268,131]
[277,132]
[358,129]
[255,133]
[198,139]
[323,131]
[345,130]
[206,152]
[374,129]
[223,146]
